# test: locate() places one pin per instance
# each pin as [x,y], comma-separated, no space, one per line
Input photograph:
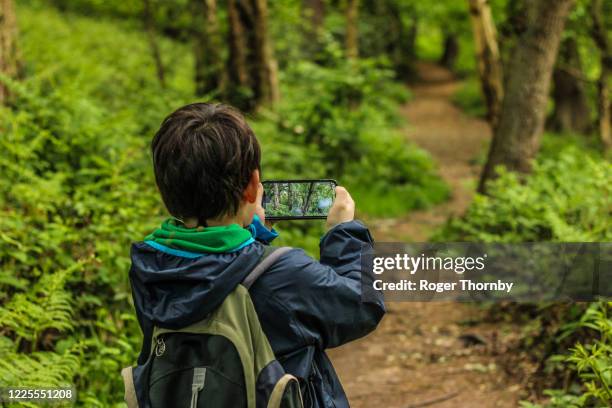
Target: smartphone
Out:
[298,199]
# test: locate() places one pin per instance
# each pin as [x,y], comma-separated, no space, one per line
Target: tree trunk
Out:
[516,139]
[276,201]
[352,35]
[149,23]
[408,45]
[600,35]
[571,112]
[238,87]
[451,51]
[206,46]
[308,198]
[252,69]
[488,57]
[237,68]
[266,87]
[313,12]
[512,28]
[403,47]
[9,57]
[289,197]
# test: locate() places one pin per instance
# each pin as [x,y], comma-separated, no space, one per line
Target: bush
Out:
[588,363]
[76,190]
[566,199]
[70,204]
[349,131]
[593,361]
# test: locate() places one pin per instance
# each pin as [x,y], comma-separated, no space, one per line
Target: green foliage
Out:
[77,185]
[591,361]
[350,95]
[579,26]
[307,199]
[349,130]
[558,399]
[469,98]
[34,318]
[77,189]
[566,199]
[46,306]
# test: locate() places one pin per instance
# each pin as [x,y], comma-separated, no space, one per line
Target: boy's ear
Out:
[250,192]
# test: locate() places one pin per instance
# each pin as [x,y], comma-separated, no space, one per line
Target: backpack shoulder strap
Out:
[270,256]
[130,391]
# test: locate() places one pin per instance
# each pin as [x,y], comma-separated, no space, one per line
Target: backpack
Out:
[222,361]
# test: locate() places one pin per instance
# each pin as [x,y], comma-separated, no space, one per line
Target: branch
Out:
[575,73]
[433,401]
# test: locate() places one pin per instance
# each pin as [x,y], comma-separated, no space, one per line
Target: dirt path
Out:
[454,140]
[418,357]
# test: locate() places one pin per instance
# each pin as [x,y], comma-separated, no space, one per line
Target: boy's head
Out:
[206,160]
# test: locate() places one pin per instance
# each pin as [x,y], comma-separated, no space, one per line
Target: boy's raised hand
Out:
[342,210]
[259,210]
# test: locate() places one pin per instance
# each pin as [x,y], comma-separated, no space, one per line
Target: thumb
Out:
[341,193]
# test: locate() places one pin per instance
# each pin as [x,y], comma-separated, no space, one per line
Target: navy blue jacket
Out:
[304,306]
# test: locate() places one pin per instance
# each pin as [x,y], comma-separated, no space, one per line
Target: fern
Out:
[43,369]
[39,369]
[46,306]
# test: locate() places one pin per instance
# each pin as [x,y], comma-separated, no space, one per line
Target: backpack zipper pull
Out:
[160,347]
[199,377]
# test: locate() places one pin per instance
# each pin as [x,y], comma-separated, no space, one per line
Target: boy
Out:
[207,168]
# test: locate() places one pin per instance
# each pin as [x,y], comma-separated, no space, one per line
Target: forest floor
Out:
[424,354]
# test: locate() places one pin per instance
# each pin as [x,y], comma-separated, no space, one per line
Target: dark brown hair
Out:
[203,156]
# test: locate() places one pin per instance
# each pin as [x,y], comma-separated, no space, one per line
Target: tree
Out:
[511,28]
[252,68]
[276,196]
[266,89]
[517,137]
[206,46]
[600,35]
[290,196]
[351,40]
[149,24]
[308,199]
[488,57]
[403,50]
[572,113]
[237,69]
[451,50]
[314,11]
[9,56]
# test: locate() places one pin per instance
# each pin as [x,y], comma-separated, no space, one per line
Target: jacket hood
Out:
[173,291]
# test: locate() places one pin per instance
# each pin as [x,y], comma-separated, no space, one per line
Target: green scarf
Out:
[226,238]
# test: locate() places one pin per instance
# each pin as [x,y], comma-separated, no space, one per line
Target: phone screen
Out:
[298,199]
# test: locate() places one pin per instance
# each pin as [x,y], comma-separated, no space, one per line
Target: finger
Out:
[260,192]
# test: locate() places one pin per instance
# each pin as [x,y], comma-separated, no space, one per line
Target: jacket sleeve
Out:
[260,232]
[324,298]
